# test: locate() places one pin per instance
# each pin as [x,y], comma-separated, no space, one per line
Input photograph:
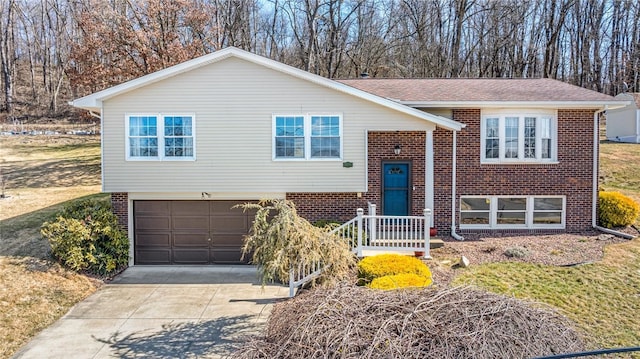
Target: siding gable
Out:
[233,101]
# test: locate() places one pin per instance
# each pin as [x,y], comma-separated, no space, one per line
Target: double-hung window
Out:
[515,137]
[477,212]
[307,137]
[160,137]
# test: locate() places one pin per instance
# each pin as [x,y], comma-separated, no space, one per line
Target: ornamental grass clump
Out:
[393,271]
[279,239]
[405,280]
[616,209]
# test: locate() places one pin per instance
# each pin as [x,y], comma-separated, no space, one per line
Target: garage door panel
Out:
[152,223]
[228,240]
[153,207]
[199,223]
[153,240]
[190,208]
[226,255]
[225,207]
[228,224]
[153,256]
[191,240]
[191,256]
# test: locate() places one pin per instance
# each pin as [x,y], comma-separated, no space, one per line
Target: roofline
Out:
[93,102]
[514,104]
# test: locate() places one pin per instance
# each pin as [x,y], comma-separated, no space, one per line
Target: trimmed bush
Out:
[517,252]
[86,237]
[616,209]
[405,280]
[391,264]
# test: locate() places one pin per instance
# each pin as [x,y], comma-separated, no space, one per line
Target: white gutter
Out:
[453,191]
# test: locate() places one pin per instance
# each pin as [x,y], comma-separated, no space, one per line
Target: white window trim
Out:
[493,214]
[160,136]
[501,114]
[307,136]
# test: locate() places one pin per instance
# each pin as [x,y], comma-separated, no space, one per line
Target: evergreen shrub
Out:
[382,265]
[616,210]
[86,237]
[405,280]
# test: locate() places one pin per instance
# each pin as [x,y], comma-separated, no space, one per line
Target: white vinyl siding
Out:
[503,212]
[159,137]
[518,136]
[234,133]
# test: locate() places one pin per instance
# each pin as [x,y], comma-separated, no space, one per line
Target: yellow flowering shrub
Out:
[391,264]
[616,209]
[405,280]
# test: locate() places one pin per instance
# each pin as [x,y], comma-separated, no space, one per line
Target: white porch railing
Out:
[372,233]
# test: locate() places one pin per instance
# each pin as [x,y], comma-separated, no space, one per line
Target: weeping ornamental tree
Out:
[279,240]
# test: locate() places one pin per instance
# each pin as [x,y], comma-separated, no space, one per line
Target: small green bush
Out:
[86,237]
[517,252]
[616,209]
[405,280]
[391,264]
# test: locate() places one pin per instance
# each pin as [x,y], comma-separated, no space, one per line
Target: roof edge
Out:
[93,101]
[515,104]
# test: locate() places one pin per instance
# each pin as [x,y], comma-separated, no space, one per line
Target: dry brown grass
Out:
[42,173]
[33,294]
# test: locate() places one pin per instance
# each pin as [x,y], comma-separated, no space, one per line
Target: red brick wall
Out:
[571,177]
[343,206]
[120,204]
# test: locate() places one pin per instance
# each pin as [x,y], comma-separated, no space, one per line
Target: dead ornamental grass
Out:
[459,322]
[33,294]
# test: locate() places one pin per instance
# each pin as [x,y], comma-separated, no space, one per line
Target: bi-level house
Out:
[181,146]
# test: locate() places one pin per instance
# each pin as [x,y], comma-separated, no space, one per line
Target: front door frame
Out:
[409,164]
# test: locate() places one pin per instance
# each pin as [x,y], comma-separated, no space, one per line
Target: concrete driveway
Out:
[162,312]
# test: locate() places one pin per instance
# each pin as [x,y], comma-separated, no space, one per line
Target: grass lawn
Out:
[602,298]
[41,174]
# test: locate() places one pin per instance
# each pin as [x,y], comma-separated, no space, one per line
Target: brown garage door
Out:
[189,232]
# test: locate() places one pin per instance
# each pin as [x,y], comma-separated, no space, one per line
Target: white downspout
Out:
[594,200]
[453,191]
[596,141]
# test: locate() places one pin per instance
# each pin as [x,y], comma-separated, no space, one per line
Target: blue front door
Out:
[395,188]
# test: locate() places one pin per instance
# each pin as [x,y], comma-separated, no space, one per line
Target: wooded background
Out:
[52,51]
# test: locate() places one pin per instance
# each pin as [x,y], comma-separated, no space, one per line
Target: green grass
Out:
[602,298]
[620,169]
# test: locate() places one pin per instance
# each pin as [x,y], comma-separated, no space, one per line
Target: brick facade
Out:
[343,206]
[572,176]
[120,204]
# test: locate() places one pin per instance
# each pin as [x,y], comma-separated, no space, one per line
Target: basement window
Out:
[503,212]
